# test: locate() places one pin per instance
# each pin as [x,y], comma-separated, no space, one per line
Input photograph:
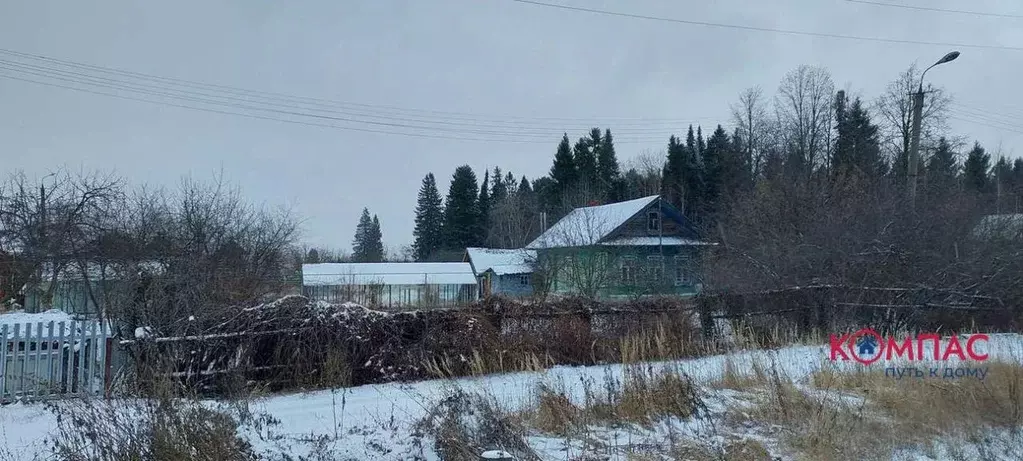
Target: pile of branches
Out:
[297,343]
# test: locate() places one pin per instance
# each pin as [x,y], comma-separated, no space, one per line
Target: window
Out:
[524,279]
[653,221]
[656,265]
[682,270]
[628,267]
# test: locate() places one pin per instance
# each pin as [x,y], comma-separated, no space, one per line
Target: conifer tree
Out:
[672,183]
[564,171]
[584,155]
[361,243]
[714,163]
[976,168]
[499,190]
[608,170]
[429,220]
[942,168]
[375,243]
[484,205]
[461,211]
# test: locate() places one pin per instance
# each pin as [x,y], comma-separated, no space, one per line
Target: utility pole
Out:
[914,145]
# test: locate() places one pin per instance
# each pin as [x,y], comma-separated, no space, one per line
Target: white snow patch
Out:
[376,421]
[501,261]
[387,274]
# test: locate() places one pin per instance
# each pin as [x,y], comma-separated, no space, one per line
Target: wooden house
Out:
[638,247]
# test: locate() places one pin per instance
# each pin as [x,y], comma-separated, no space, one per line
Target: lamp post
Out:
[918,109]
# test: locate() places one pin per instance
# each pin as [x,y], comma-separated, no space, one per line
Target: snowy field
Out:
[376,421]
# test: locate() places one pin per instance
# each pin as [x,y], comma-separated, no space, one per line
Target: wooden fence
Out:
[55,359]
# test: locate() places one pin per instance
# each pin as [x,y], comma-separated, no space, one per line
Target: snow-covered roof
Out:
[588,225]
[501,261]
[98,271]
[387,274]
[654,241]
[1007,226]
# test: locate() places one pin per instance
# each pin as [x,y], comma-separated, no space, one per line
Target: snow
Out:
[1000,225]
[588,225]
[654,241]
[501,261]
[33,325]
[97,271]
[387,274]
[375,421]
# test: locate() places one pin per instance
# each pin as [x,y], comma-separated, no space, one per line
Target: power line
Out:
[303,100]
[502,136]
[766,29]
[84,78]
[223,112]
[938,10]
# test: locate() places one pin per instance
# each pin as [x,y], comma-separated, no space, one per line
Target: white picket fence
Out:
[55,359]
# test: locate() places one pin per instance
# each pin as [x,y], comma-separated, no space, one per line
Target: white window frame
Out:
[628,269]
[656,263]
[682,270]
[653,221]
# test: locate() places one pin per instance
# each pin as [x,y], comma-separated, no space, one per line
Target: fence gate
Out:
[55,359]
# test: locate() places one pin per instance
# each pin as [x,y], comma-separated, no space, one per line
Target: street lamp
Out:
[918,109]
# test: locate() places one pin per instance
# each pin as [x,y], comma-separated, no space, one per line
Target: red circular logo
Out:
[855,349]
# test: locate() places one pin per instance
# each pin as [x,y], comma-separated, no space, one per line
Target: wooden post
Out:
[108,375]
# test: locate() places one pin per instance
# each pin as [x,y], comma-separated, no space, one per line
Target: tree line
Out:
[789,160]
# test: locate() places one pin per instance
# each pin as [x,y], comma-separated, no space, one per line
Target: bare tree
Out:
[571,257]
[750,115]
[896,108]
[649,171]
[803,109]
[514,221]
[56,223]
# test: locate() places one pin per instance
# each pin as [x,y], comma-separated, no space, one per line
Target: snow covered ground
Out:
[376,421]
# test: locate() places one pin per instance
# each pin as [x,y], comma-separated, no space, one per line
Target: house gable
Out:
[657,219]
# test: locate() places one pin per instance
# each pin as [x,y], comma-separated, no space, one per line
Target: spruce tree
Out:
[510,184]
[499,190]
[564,171]
[857,146]
[375,243]
[1002,176]
[942,168]
[700,145]
[714,163]
[461,211]
[672,185]
[608,170]
[484,204]
[586,164]
[976,168]
[429,220]
[361,243]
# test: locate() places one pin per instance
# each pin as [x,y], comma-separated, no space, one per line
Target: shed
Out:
[392,285]
[83,288]
[506,272]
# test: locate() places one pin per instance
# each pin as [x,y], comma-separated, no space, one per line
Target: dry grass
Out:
[832,416]
[643,397]
[735,378]
[940,406]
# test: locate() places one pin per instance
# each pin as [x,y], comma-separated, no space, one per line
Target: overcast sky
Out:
[518,67]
